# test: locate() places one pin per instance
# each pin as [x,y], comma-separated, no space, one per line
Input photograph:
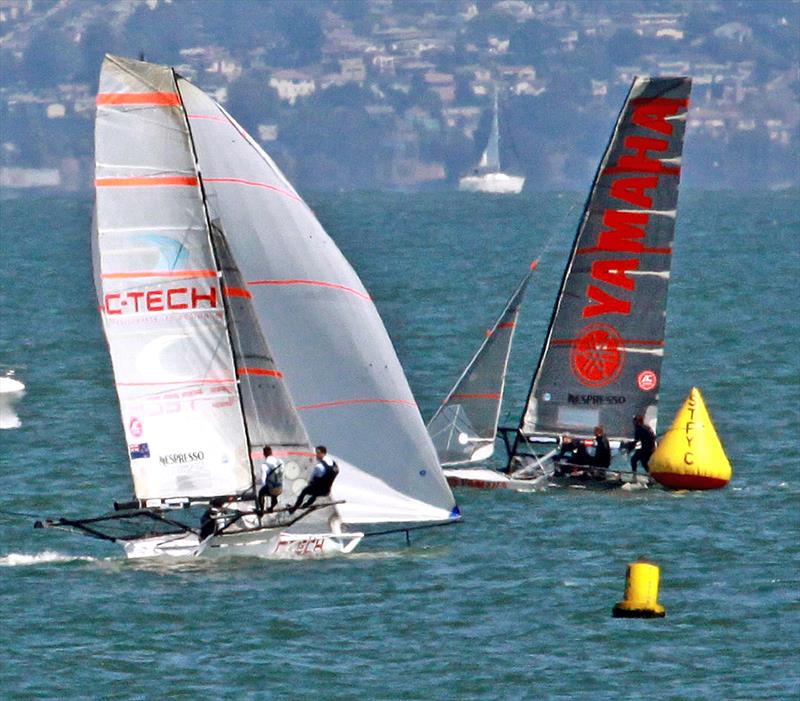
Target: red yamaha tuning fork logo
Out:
[597,356]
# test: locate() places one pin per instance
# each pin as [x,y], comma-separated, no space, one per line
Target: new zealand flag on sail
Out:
[139,450]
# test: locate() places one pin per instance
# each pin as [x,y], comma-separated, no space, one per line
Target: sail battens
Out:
[154,99]
[178,230]
[318,283]
[607,328]
[207,117]
[254,183]
[158,273]
[616,342]
[187,382]
[148,181]
[277,451]
[664,274]
[649,351]
[640,250]
[672,213]
[476,395]
[351,402]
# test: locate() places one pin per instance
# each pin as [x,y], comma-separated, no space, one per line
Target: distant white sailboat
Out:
[488,176]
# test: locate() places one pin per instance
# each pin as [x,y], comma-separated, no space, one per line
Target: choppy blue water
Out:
[514,603]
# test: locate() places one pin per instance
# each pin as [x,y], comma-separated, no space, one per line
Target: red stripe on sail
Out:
[319,283]
[161,181]
[169,99]
[259,371]
[255,183]
[474,396]
[236,292]
[159,273]
[507,325]
[347,402]
[208,117]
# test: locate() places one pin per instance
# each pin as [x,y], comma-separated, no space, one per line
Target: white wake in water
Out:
[22,559]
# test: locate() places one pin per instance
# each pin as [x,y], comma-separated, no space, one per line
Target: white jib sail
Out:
[160,297]
[324,330]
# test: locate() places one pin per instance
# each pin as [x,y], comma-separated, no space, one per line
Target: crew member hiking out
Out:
[325,471]
[645,438]
[271,480]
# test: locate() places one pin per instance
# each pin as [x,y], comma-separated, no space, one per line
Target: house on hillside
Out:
[292,84]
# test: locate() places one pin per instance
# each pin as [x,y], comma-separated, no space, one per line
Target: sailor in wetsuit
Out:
[645,438]
[602,452]
[325,471]
[572,452]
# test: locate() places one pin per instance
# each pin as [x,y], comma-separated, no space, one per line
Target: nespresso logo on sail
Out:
[635,177]
[160,300]
[181,458]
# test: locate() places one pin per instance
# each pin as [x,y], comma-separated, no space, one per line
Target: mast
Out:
[219,274]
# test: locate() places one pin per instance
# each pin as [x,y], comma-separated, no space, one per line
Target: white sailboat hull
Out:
[11,391]
[480,478]
[496,183]
[253,543]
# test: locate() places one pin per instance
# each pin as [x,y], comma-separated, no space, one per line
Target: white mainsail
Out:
[488,176]
[328,339]
[160,297]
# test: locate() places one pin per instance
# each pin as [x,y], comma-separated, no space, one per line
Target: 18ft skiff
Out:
[234,322]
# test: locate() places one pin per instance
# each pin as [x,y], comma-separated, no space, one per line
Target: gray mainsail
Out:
[328,339]
[464,426]
[601,362]
[269,413]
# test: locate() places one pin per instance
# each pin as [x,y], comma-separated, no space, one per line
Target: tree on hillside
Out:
[251,101]
[50,58]
[302,39]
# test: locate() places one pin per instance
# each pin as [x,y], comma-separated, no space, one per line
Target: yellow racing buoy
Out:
[690,455]
[641,593]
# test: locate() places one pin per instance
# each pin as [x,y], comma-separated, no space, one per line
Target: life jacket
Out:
[274,478]
[325,482]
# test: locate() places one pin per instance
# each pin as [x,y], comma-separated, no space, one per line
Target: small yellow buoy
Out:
[690,455]
[641,593]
